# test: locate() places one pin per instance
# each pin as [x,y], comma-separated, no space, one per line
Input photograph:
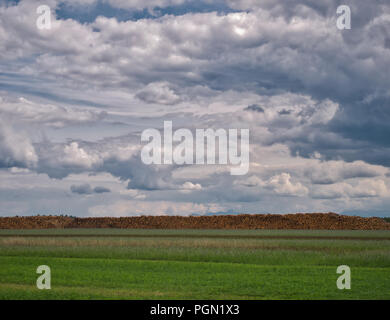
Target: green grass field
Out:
[194,264]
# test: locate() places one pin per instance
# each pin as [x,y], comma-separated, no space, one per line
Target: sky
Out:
[75,99]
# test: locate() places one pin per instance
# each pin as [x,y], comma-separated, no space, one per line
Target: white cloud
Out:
[328,172]
[75,155]
[50,115]
[282,184]
[159,93]
[16,148]
[156,208]
[362,189]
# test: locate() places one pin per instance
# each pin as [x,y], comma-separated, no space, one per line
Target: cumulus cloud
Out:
[158,93]
[282,184]
[16,149]
[363,189]
[77,156]
[191,186]
[336,171]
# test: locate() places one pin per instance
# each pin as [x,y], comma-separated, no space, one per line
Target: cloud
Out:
[87,189]
[191,186]
[159,93]
[101,190]
[363,189]
[282,184]
[158,208]
[77,156]
[50,115]
[16,149]
[76,98]
[336,171]
[254,107]
[81,189]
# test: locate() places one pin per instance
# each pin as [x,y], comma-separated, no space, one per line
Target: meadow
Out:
[194,264]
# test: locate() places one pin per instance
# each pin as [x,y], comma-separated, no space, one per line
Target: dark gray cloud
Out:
[87,189]
[81,189]
[285,112]
[101,190]
[254,107]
